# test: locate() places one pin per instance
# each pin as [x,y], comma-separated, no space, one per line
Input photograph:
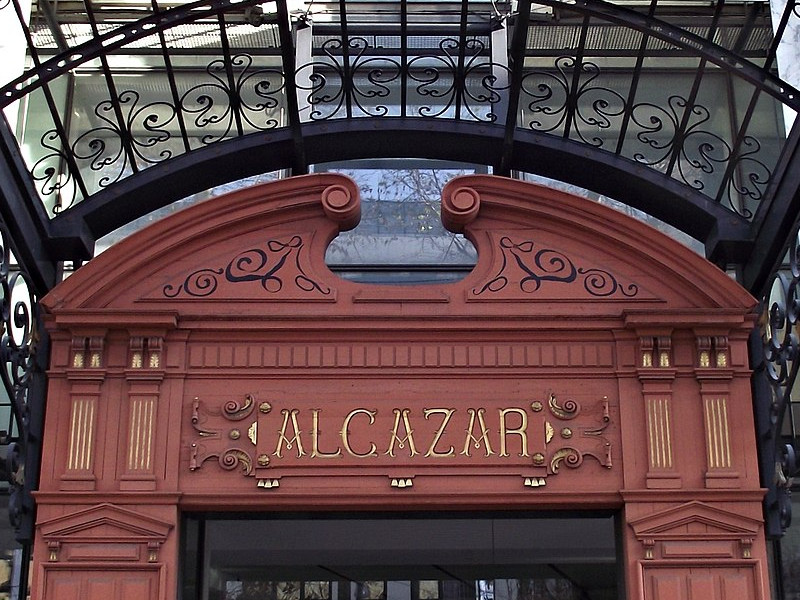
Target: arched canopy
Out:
[669,107]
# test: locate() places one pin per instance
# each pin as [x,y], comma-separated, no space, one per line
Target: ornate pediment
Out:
[267,244]
[693,519]
[105,523]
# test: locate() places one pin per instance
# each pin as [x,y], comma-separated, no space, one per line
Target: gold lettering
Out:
[520,431]
[346,433]
[401,442]
[287,414]
[471,439]
[315,451]
[448,413]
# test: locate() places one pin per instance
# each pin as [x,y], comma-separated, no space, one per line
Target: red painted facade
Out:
[213,362]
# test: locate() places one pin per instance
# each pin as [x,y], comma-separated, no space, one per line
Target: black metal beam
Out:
[288,61]
[635,184]
[776,219]
[516,60]
[477,143]
[24,216]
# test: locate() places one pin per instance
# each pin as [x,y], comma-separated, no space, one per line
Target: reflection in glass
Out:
[403,559]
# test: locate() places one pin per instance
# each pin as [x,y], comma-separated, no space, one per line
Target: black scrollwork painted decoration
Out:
[264,266]
[538,266]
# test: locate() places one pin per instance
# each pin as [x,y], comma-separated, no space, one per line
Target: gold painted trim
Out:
[252,433]
[401,482]
[534,482]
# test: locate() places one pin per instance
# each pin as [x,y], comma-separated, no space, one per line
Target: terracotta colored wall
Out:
[212,362]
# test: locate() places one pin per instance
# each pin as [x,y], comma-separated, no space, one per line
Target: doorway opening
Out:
[390,557]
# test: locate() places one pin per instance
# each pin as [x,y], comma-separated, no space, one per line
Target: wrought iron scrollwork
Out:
[360,83]
[476,85]
[248,99]
[776,357]
[19,344]
[109,149]
[54,182]
[701,151]
[147,134]
[568,100]
[750,177]
[554,104]
[368,78]
[702,154]
[351,77]
[103,147]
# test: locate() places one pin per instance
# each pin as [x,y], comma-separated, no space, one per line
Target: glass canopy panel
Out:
[475,558]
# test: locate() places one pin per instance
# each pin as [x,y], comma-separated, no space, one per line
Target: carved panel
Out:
[659,433]
[140,434]
[104,530]
[718,444]
[269,440]
[96,584]
[716,583]
[81,434]
[698,529]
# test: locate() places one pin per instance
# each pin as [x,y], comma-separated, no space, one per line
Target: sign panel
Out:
[401,435]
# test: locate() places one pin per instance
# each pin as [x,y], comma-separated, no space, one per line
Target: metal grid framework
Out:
[185,96]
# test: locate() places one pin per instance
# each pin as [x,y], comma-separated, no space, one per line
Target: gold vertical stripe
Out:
[709,435]
[72,433]
[134,434]
[651,425]
[659,416]
[81,458]
[131,440]
[89,433]
[149,433]
[73,428]
[667,437]
[137,433]
[718,452]
[726,442]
